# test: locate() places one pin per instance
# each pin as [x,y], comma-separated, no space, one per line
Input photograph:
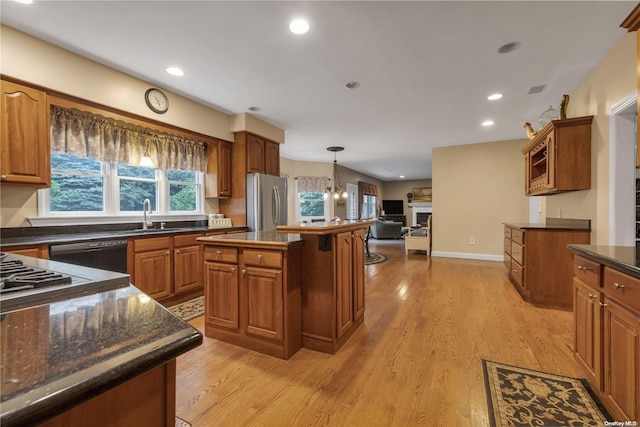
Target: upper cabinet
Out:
[632,23]
[558,158]
[263,156]
[25,156]
[219,165]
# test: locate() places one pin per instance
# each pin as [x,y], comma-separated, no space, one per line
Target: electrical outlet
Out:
[472,240]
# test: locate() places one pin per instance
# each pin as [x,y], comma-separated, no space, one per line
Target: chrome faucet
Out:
[146,223]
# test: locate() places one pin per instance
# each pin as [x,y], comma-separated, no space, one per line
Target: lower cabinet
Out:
[607,334]
[187,263]
[152,266]
[37,251]
[253,297]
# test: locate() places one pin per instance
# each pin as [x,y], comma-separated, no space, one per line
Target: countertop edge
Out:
[323,228]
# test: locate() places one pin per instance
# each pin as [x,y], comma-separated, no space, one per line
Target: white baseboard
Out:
[484,257]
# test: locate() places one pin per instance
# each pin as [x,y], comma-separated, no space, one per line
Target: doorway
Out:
[622,171]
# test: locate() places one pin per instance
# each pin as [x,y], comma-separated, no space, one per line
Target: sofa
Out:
[386,229]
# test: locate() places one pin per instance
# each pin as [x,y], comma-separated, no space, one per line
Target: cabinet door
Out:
[587,329]
[272,158]
[622,359]
[255,154]
[152,273]
[264,302]
[225,162]
[344,290]
[187,272]
[551,161]
[25,136]
[221,293]
[358,274]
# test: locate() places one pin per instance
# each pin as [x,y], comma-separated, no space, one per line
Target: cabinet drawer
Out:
[516,252]
[625,289]
[516,273]
[517,236]
[186,239]
[507,245]
[221,254]
[152,244]
[507,261]
[263,258]
[507,232]
[587,270]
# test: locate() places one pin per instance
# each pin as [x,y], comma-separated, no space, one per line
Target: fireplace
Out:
[420,212]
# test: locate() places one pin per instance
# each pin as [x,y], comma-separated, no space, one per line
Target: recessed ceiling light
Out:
[175,71]
[255,108]
[299,26]
[509,47]
[487,123]
[401,176]
[352,85]
[494,96]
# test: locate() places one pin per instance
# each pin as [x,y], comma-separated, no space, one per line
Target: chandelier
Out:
[335,190]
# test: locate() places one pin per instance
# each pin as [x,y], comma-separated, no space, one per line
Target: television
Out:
[393,207]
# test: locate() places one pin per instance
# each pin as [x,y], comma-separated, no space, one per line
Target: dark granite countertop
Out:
[554,224]
[60,354]
[622,258]
[20,236]
[329,227]
[254,239]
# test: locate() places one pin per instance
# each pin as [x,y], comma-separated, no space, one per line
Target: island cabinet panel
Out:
[24,142]
[253,296]
[358,275]
[344,291]
[146,400]
[607,333]
[539,264]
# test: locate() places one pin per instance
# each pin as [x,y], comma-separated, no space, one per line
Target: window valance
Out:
[312,184]
[90,135]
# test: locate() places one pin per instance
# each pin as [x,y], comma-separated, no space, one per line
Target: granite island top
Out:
[59,354]
[329,227]
[258,239]
[554,224]
[623,258]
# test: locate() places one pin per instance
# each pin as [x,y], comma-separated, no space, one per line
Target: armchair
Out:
[386,229]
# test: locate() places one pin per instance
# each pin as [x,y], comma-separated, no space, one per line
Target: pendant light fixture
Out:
[335,189]
[145,160]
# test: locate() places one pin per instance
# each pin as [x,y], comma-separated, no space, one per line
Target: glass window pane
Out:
[312,208]
[136,171]
[68,162]
[72,193]
[182,197]
[133,193]
[182,176]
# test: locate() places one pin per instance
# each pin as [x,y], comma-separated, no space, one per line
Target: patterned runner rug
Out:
[523,397]
[189,309]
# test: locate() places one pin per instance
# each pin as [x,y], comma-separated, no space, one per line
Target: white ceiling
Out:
[425,67]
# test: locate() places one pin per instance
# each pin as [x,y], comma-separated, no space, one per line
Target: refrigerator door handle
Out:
[276,205]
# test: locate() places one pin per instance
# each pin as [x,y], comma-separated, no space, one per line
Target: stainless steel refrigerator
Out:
[266,201]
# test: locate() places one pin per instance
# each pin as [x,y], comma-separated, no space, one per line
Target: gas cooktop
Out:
[26,281]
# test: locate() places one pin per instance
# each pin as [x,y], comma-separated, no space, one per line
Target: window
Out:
[311,205]
[368,206]
[81,185]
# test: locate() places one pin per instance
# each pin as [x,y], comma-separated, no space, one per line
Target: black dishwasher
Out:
[103,254]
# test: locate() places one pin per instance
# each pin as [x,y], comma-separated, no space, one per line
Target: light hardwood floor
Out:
[415,361]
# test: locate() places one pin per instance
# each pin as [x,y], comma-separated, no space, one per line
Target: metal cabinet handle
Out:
[581,268]
[233,269]
[259,256]
[177,251]
[592,296]
[516,252]
[244,271]
[603,304]
[3,176]
[618,286]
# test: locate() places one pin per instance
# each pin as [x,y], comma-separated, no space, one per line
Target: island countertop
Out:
[330,227]
[256,239]
[57,355]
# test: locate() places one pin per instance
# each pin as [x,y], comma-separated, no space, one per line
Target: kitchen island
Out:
[333,281]
[106,358]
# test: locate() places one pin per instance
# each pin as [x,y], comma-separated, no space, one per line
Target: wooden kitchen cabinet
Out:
[24,143]
[558,158]
[263,156]
[272,158]
[253,297]
[36,251]
[152,266]
[188,263]
[539,264]
[607,334]
[219,169]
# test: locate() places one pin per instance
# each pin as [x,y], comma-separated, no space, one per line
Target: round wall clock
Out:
[156,100]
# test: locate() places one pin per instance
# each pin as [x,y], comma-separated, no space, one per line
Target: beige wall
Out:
[397,190]
[613,79]
[35,61]
[476,188]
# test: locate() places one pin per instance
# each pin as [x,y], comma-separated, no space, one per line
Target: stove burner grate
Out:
[15,276]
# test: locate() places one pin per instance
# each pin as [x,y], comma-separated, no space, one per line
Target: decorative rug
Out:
[373,258]
[181,423]
[523,397]
[189,309]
